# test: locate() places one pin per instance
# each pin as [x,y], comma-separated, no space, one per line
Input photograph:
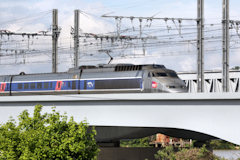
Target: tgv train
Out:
[95,79]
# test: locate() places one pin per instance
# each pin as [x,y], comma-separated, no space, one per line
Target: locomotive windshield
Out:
[172,74]
[159,74]
[163,74]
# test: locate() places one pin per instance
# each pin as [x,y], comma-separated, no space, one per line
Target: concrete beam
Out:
[215,114]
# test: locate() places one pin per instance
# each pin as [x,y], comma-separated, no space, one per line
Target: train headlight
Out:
[154,84]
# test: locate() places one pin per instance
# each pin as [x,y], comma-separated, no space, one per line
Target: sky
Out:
[35,15]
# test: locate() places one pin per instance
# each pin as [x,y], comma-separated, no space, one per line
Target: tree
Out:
[47,136]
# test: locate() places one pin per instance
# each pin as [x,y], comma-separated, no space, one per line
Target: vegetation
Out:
[236,68]
[187,153]
[166,153]
[202,153]
[141,142]
[47,136]
[220,144]
[145,142]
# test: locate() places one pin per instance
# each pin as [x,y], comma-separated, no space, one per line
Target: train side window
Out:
[74,85]
[51,84]
[45,85]
[32,85]
[39,85]
[19,85]
[69,84]
[26,85]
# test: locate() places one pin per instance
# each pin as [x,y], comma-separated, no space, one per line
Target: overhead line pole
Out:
[76,37]
[225,42]
[200,46]
[55,34]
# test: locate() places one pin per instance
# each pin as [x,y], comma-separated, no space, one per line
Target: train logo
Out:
[90,84]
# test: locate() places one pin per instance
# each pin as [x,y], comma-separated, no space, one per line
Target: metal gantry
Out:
[200,39]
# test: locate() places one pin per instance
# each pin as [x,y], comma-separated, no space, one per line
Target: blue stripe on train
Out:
[44,86]
[66,85]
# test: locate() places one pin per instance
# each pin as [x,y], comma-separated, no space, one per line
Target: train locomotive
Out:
[109,78]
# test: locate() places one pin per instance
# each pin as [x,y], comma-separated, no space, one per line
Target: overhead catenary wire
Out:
[164,39]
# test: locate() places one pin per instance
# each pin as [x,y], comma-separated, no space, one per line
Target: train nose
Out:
[173,85]
[177,89]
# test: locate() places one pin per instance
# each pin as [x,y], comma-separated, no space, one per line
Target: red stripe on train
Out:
[58,85]
[2,87]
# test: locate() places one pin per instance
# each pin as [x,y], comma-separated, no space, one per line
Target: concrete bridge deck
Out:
[118,116]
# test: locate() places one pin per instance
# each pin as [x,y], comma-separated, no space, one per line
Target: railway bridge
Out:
[212,81]
[200,116]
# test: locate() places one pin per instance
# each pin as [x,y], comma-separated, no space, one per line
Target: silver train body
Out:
[119,78]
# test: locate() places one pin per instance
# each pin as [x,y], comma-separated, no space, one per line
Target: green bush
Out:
[166,153]
[141,142]
[202,153]
[220,144]
[47,136]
